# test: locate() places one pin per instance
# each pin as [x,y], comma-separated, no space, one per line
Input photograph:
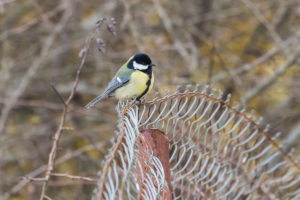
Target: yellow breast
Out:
[135,87]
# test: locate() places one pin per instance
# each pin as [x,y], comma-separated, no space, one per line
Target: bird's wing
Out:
[114,84]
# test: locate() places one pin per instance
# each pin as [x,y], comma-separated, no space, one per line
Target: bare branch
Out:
[59,95]
[58,133]
[81,178]
[34,179]
[43,168]
[262,19]
[48,198]
[169,28]
[276,37]
[249,66]
[270,80]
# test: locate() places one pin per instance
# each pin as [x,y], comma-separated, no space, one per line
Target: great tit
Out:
[133,80]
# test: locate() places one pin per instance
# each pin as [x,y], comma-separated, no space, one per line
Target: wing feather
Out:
[114,84]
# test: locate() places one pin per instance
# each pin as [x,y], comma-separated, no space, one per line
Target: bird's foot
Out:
[141,101]
[138,102]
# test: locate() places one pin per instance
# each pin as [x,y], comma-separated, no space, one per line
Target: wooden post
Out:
[154,142]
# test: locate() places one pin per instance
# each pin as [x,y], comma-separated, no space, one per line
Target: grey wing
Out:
[114,84]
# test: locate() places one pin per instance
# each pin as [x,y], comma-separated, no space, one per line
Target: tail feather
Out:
[95,101]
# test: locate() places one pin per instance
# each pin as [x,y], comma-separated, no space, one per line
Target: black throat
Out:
[147,71]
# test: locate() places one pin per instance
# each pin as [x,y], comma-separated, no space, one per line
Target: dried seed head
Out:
[112,26]
[100,22]
[113,21]
[82,52]
[101,45]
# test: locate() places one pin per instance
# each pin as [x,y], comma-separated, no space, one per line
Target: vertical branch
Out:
[58,133]
[170,30]
[52,155]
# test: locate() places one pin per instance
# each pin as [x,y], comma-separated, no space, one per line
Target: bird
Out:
[132,81]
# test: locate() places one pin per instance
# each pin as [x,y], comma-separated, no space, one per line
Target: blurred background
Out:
[249,48]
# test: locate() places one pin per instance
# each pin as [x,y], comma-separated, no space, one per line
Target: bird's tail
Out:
[95,101]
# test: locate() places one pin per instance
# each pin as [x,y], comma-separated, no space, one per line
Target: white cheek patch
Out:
[139,66]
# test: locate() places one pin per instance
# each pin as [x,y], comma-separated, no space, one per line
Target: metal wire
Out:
[218,151]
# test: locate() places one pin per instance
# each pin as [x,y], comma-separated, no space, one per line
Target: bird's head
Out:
[140,61]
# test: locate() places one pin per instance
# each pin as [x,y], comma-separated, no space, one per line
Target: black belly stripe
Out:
[148,83]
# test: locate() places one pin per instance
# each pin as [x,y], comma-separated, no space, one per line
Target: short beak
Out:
[152,65]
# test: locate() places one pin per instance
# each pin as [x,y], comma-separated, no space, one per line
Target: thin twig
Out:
[287,51]
[43,168]
[34,179]
[169,28]
[53,106]
[236,81]
[271,29]
[58,94]
[271,79]
[44,16]
[234,78]
[60,129]
[35,103]
[248,66]
[48,198]
[82,178]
